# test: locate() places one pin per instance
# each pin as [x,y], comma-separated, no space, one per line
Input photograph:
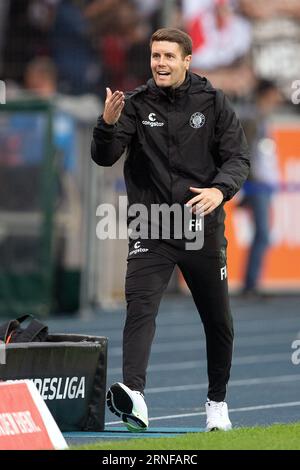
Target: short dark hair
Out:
[174,35]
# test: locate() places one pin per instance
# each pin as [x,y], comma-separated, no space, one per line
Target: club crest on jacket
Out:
[197,120]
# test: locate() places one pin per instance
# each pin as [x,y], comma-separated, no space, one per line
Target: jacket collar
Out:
[192,84]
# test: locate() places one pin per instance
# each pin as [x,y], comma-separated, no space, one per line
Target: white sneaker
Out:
[217,416]
[129,405]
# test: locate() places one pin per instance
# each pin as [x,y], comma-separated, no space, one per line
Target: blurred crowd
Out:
[71,49]
[91,43]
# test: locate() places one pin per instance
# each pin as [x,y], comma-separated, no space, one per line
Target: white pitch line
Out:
[238,361]
[259,340]
[194,320]
[232,410]
[195,328]
[233,383]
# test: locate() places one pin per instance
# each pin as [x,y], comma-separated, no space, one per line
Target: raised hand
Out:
[114,103]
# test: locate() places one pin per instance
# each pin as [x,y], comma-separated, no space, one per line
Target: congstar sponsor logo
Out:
[152,122]
[138,249]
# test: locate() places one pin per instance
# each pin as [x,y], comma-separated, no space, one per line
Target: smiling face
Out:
[168,64]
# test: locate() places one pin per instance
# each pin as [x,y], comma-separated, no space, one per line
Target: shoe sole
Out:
[120,404]
[118,401]
[214,429]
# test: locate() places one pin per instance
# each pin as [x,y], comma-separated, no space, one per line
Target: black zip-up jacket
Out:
[176,138]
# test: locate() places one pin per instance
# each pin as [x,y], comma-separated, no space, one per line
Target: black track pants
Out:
[150,265]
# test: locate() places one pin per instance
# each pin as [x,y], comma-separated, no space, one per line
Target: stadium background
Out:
[56,57]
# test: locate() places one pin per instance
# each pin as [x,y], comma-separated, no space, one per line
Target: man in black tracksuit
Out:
[184,145]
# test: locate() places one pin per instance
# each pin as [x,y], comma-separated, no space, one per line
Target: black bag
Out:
[68,370]
[11,331]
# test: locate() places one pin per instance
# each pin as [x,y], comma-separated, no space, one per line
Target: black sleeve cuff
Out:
[102,124]
[223,190]
[103,132]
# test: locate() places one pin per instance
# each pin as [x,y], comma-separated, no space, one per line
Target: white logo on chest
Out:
[152,122]
[197,120]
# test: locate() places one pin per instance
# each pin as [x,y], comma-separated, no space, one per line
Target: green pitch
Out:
[276,437]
